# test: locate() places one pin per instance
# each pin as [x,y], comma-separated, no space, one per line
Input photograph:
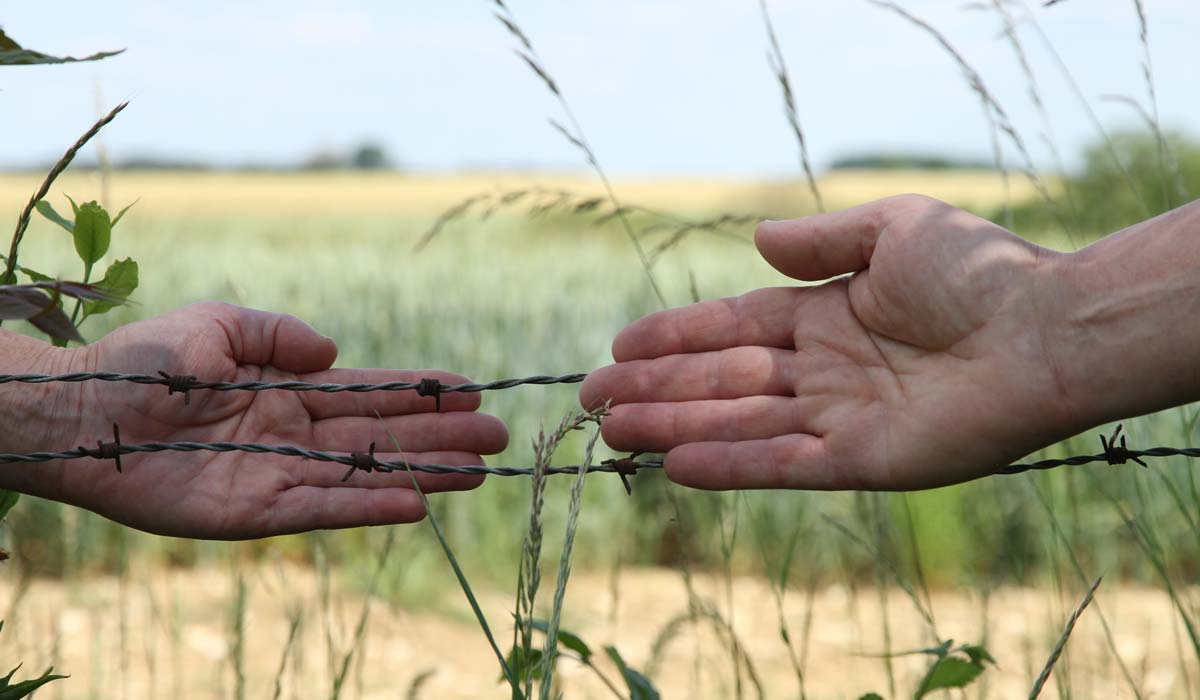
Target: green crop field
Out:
[511,295]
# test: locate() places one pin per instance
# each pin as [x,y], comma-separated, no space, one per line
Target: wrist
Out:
[1124,325]
[36,417]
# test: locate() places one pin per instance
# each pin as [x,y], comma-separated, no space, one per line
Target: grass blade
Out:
[1062,642]
[458,572]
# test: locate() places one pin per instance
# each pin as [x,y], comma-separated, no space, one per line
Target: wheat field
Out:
[132,616]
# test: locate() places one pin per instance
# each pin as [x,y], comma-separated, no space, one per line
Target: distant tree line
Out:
[1122,181]
[367,155]
[907,161]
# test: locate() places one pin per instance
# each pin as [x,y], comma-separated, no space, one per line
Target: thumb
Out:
[279,340]
[826,245]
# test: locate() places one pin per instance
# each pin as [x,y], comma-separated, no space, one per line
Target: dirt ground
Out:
[170,633]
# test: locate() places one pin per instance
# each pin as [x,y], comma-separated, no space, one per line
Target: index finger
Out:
[321,405]
[762,317]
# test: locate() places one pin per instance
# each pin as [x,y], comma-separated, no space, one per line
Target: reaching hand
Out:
[239,495]
[926,366]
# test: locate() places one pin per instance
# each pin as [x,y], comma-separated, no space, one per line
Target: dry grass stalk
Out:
[550,650]
[237,624]
[295,616]
[544,201]
[779,68]
[1062,642]
[1009,29]
[529,573]
[360,630]
[992,105]
[1109,638]
[1166,163]
[418,683]
[575,135]
[1086,105]
[458,572]
[23,220]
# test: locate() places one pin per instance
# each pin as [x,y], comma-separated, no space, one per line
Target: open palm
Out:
[924,367]
[240,495]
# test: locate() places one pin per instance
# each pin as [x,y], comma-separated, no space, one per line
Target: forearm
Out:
[33,417]
[1126,332]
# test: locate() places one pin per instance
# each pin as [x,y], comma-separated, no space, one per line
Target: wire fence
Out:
[1115,449]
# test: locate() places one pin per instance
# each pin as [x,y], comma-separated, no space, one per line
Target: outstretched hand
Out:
[239,495]
[926,366]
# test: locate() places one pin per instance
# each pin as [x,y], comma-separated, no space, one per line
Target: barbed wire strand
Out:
[186,383]
[1116,452]
[358,461]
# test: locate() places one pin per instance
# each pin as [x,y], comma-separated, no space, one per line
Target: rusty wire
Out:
[357,461]
[1115,447]
[185,383]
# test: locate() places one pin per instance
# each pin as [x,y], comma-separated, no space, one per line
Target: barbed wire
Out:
[1115,447]
[1116,452]
[185,383]
[357,461]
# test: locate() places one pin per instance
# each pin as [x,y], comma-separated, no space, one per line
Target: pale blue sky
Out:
[661,86]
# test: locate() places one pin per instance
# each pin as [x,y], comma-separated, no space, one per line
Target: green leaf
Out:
[93,232]
[122,212]
[519,662]
[26,688]
[12,54]
[977,654]
[8,499]
[120,279]
[565,638]
[36,276]
[47,210]
[949,672]
[870,696]
[74,206]
[640,687]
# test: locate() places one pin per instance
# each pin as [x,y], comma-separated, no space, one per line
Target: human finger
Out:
[329,475]
[418,432]
[725,374]
[321,405]
[660,427]
[304,508]
[797,461]
[826,245]
[761,317]
[268,338]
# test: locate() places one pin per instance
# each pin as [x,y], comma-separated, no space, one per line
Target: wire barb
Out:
[107,450]
[1121,454]
[180,384]
[357,461]
[431,387]
[362,462]
[625,468]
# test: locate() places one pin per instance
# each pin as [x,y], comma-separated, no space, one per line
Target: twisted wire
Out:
[1113,453]
[193,384]
[1079,460]
[111,451]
